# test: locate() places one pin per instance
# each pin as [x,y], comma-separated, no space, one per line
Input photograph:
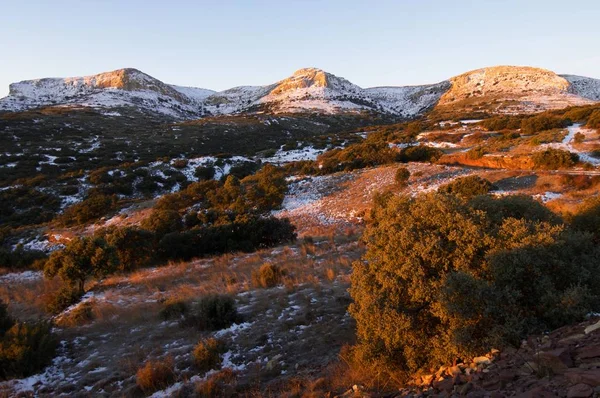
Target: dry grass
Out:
[28,300]
[156,374]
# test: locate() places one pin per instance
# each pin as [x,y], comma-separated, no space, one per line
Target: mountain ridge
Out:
[307,90]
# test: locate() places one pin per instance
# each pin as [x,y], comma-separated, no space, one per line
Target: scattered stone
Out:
[589,352]
[481,361]
[444,385]
[580,391]
[592,328]
[558,360]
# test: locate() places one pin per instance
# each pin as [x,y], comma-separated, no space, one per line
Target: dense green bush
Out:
[356,156]
[467,187]
[402,175]
[20,258]
[173,309]
[542,122]
[90,209]
[204,173]
[81,259]
[420,153]
[213,313]
[500,123]
[476,153]
[62,299]
[26,206]
[25,348]
[244,234]
[593,121]
[444,279]
[162,222]
[134,246]
[587,217]
[554,159]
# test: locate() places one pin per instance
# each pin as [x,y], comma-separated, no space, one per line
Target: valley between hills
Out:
[305,238]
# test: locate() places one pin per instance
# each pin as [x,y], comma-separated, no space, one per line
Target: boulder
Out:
[589,352]
[590,377]
[558,360]
[580,391]
[592,328]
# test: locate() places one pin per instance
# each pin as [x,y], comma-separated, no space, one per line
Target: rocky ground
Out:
[562,363]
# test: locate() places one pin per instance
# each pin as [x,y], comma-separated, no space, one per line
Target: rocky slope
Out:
[495,89]
[562,363]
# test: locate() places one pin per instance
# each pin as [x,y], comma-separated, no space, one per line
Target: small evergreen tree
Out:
[80,260]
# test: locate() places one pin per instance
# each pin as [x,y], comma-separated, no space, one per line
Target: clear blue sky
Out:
[219,44]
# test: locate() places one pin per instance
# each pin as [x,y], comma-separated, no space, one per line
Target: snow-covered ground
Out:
[294,155]
[567,143]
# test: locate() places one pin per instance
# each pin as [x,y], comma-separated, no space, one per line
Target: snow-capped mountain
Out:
[308,90]
[585,87]
[314,90]
[123,87]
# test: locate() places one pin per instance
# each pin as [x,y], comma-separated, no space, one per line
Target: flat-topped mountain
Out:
[529,89]
[497,89]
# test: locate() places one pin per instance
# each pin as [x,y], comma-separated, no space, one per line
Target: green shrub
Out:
[467,187]
[268,275]
[420,153]
[88,210]
[26,349]
[554,159]
[442,280]
[542,122]
[162,222]
[179,163]
[134,247]
[402,175]
[213,313]
[20,258]
[593,121]
[173,309]
[6,321]
[587,217]
[81,259]
[63,299]
[80,315]
[204,173]
[207,354]
[476,153]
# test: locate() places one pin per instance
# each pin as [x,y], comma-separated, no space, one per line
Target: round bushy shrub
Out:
[467,187]
[444,279]
[553,159]
[268,275]
[213,312]
[402,175]
[207,354]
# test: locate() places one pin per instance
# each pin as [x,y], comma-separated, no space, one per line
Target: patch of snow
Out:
[294,155]
[548,196]
[21,277]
